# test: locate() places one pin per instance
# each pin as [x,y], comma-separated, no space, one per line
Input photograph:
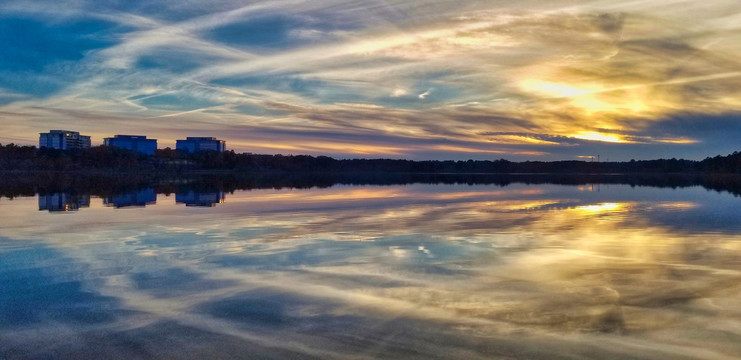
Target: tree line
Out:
[111,159]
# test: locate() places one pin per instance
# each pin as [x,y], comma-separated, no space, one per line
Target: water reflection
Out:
[137,198]
[415,271]
[62,202]
[201,199]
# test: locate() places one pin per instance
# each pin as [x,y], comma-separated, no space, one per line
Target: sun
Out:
[596,136]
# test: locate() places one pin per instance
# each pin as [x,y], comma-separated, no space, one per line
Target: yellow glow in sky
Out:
[554,89]
[596,136]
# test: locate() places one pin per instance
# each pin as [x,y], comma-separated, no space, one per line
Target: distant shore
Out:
[115,161]
[29,183]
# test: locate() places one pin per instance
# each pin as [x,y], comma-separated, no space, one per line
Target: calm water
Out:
[355,272]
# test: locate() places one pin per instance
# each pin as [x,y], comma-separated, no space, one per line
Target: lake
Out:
[414,271]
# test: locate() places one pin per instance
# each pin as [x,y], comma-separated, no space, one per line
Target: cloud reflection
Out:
[526,270]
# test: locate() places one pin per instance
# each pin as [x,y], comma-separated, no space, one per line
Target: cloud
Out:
[425,94]
[595,70]
[399,92]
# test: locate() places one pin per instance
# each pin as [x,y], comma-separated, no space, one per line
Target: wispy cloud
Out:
[425,94]
[530,78]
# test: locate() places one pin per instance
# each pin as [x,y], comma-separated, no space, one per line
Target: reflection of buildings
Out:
[135,198]
[195,198]
[195,144]
[63,202]
[137,143]
[63,140]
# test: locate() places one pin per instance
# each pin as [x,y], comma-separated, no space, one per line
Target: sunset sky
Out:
[520,80]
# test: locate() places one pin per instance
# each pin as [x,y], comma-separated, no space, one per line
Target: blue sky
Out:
[537,80]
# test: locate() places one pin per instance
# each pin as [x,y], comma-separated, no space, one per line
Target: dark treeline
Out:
[108,159]
[103,185]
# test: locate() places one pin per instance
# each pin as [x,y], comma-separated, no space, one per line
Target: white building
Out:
[63,140]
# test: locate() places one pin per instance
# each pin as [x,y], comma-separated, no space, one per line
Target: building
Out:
[137,143]
[197,198]
[195,144]
[63,140]
[57,202]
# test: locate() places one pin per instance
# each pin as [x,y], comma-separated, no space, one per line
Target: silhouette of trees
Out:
[111,159]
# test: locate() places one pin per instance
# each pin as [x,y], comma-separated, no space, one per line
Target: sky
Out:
[519,80]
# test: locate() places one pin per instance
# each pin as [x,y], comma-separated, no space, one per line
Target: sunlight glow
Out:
[678,141]
[599,208]
[519,139]
[555,89]
[596,136]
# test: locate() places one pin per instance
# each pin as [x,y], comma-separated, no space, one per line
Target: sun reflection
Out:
[599,208]
[678,205]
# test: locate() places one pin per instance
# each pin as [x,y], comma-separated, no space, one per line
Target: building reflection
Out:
[198,198]
[60,202]
[138,198]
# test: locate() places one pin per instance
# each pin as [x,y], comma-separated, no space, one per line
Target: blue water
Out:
[406,271]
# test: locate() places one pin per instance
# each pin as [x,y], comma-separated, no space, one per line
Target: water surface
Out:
[354,272]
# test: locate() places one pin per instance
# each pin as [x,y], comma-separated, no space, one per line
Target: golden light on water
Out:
[600,208]
[554,263]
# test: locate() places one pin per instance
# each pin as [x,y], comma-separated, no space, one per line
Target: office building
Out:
[195,144]
[63,140]
[137,143]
